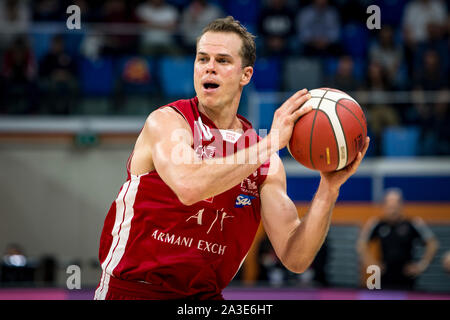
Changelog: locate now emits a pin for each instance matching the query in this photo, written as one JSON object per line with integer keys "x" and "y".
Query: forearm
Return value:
{"x": 430, "y": 251}
{"x": 365, "y": 254}
{"x": 203, "y": 177}
{"x": 307, "y": 238}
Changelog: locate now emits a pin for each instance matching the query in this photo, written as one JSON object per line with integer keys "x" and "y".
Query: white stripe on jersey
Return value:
{"x": 120, "y": 232}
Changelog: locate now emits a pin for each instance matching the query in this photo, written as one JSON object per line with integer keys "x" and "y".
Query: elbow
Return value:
{"x": 298, "y": 266}
{"x": 186, "y": 195}
{"x": 186, "y": 200}
{"x": 434, "y": 244}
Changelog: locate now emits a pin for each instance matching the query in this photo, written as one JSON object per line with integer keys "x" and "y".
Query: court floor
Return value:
{"x": 237, "y": 293}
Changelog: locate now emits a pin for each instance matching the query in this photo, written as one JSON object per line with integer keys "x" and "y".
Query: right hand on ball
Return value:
{"x": 286, "y": 116}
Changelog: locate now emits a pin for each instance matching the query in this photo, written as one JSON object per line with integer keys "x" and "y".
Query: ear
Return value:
{"x": 246, "y": 75}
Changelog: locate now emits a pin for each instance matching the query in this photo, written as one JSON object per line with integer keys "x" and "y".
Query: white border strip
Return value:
{"x": 110, "y": 124}
{"x": 421, "y": 166}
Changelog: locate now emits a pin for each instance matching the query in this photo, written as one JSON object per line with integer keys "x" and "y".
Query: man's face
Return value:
{"x": 393, "y": 206}
{"x": 218, "y": 72}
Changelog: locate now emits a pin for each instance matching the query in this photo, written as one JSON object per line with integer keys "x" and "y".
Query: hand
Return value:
{"x": 414, "y": 269}
{"x": 336, "y": 179}
{"x": 286, "y": 116}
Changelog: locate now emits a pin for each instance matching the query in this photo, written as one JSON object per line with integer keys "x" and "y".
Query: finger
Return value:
{"x": 298, "y": 94}
{"x": 366, "y": 146}
{"x": 291, "y": 101}
{"x": 299, "y": 102}
{"x": 355, "y": 164}
{"x": 300, "y": 112}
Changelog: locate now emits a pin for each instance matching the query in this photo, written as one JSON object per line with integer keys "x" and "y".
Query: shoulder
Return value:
{"x": 247, "y": 124}
{"x": 373, "y": 224}
{"x": 163, "y": 116}
{"x": 421, "y": 227}
{"x": 164, "y": 122}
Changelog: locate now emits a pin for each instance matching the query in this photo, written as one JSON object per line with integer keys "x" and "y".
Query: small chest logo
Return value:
{"x": 243, "y": 200}
{"x": 205, "y": 152}
{"x": 249, "y": 186}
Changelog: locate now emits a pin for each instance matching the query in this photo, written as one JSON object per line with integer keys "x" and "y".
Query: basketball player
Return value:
{"x": 180, "y": 229}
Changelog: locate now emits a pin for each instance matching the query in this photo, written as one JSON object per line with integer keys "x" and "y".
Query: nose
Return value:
{"x": 211, "y": 67}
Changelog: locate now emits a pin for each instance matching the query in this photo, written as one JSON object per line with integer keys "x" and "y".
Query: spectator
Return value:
{"x": 441, "y": 132}
{"x": 437, "y": 42}
{"x": 48, "y": 269}
{"x": 397, "y": 235}
{"x": 353, "y": 11}
{"x": 117, "y": 12}
{"x": 47, "y": 10}
{"x": 380, "y": 113}
{"x": 15, "y": 266}
{"x": 14, "y": 20}
{"x": 194, "y": 18}
{"x": 442, "y": 119}
{"x": 387, "y": 53}
{"x": 318, "y": 266}
{"x": 160, "y": 21}
{"x": 431, "y": 76}
{"x": 276, "y": 26}
{"x": 417, "y": 17}
{"x": 58, "y": 73}
{"x": 344, "y": 78}
{"x": 18, "y": 73}
{"x": 272, "y": 271}
{"x": 318, "y": 28}
{"x": 55, "y": 10}
{"x": 432, "y": 121}
{"x": 91, "y": 11}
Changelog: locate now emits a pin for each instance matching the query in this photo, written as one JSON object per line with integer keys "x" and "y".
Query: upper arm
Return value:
{"x": 278, "y": 212}
{"x": 368, "y": 232}
{"x": 422, "y": 230}
{"x": 169, "y": 140}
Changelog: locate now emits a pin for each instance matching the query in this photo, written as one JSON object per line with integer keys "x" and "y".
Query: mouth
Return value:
{"x": 210, "y": 86}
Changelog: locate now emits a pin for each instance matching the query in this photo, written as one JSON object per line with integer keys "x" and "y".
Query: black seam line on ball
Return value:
{"x": 312, "y": 129}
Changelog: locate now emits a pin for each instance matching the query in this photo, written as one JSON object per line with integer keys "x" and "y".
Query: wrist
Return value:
{"x": 329, "y": 188}
{"x": 270, "y": 144}
{"x": 423, "y": 265}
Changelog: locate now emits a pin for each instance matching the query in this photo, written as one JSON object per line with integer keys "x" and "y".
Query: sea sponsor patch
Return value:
{"x": 243, "y": 200}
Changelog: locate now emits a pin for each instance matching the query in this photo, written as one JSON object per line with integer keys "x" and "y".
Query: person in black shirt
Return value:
{"x": 276, "y": 26}
{"x": 397, "y": 235}
{"x": 58, "y": 74}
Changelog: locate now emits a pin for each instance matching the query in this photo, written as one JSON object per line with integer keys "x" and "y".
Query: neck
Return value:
{"x": 224, "y": 117}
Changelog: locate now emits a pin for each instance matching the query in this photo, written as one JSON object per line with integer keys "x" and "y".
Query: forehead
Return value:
{"x": 220, "y": 43}
{"x": 392, "y": 196}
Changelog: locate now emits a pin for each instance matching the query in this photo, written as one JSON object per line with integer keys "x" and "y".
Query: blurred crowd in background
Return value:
{"x": 124, "y": 48}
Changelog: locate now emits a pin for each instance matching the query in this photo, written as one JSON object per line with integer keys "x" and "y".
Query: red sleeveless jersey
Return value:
{"x": 181, "y": 251}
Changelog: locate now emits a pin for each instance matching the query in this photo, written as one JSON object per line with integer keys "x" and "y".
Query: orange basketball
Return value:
{"x": 330, "y": 136}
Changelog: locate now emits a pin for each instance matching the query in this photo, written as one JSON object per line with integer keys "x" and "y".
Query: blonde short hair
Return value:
{"x": 229, "y": 24}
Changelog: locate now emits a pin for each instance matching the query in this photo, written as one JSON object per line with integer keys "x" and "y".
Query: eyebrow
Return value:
{"x": 219, "y": 54}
